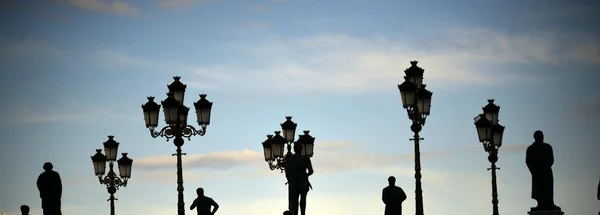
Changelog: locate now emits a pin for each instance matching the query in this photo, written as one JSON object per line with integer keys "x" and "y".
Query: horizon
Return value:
{"x": 75, "y": 72}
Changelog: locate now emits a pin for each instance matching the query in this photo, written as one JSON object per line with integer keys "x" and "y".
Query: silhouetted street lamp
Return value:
{"x": 490, "y": 135}
{"x": 274, "y": 145}
{"x": 176, "y": 115}
{"x": 417, "y": 102}
{"x": 111, "y": 180}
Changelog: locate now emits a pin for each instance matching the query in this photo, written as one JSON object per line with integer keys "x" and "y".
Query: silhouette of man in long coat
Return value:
{"x": 539, "y": 159}
{"x": 392, "y": 197}
{"x": 50, "y": 187}
{"x": 298, "y": 168}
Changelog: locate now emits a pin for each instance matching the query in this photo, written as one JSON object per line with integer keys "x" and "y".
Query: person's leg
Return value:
{"x": 293, "y": 200}
{"x": 303, "y": 203}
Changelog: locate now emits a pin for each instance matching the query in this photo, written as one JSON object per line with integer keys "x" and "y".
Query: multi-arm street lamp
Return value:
{"x": 176, "y": 115}
{"x": 490, "y": 135}
{"x": 111, "y": 180}
{"x": 417, "y": 102}
{"x": 274, "y": 146}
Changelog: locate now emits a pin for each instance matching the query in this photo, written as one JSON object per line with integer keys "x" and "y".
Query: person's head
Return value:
{"x": 24, "y": 209}
{"x": 297, "y": 148}
{"x": 392, "y": 180}
{"x": 200, "y": 191}
{"x": 48, "y": 166}
{"x": 538, "y": 136}
{"x": 288, "y": 213}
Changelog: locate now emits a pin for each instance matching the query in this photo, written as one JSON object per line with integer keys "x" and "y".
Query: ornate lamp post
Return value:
{"x": 274, "y": 145}
{"x": 490, "y": 135}
{"x": 111, "y": 180}
{"x": 176, "y": 115}
{"x": 417, "y": 102}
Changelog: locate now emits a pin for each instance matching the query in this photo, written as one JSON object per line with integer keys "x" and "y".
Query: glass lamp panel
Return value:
{"x": 289, "y": 129}
{"x": 111, "y": 148}
{"x": 278, "y": 150}
{"x": 308, "y": 149}
{"x": 179, "y": 96}
{"x": 498, "y": 133}
{"x": 203, "y": 110}
{"x": 99, "y": 162}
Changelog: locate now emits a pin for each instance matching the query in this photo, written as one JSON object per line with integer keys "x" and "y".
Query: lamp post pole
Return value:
{"x": 111, "y": 180}
{"x": 274, "y": 149}
{"x": 490, "y": 134}
{"x": 417, "y": 102}
{"x": 176, "y": 114}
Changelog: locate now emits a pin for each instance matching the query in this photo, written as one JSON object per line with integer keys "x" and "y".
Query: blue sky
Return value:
{"x": 76, "y": 71}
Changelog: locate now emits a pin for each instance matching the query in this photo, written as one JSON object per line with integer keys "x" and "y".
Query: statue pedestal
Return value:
{"x": 552, "y": 212}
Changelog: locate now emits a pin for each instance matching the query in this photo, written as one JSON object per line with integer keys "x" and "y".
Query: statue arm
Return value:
{"x": 402, "y": 195}
{"x": 194, "y": 204}
{"x": 528, "y": 159}
{"x": 598, "y": 191}
{"x": 551, "y": 157}
{"x": 310, "y": 167}
{"x": 40, "y": 185}
{"x": 215, "y": 206}
{"x": 384, "y": 197}
{"x": 59, "y": 188}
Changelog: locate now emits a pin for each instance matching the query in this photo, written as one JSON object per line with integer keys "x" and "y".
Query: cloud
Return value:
{"x": 588, "y": 111}
{"x": 178, "y": 3}
{"x": 256, "y": 24}
{"x": 330, "y": 157}
{"x": 257, "y": 8}
{"x": 105, "y": 6}
{"x": 348, "y": 64}
{"x": 70, "y": 112}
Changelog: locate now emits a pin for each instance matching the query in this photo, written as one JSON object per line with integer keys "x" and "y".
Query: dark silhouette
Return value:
{"x": 288, "y": 213}
{"x": 296, "y": 173}
{"x": 598, "y": 194}
{"x": 24, "y": 210}
{"x": 539, "y": 159}
{"x": 50, "y": 187}
{"x": 392, "y": 197}
{"x": 204, "y": 203}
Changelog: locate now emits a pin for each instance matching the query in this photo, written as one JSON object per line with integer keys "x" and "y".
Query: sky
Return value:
{"x": 75, "y": 71}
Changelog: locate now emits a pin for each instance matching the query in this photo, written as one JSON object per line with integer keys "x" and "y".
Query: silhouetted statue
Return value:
{"x": 392, "y": 197}
{"x": 204, "y": 203}
{"x": 598, "y": 194}
{"x": 24, "y": 210}
{"x": 539, "y": 159}
{"x": 288, "y": 213}
{"x": 298, "y": 168}
{"x": 50, "y": 187}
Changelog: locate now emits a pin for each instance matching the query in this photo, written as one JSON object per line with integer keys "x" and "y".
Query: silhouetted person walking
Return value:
{"x": 298, "y": 168}
{"x": 24, "y": 210}
{"x": 50, "y": 187}
{"x": 539, "y": 159}
{"x": 392, "y": 197}
{"x": 204, "y": 203}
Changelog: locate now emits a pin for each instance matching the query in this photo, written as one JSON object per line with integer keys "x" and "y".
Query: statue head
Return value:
{"x": 200, "y": 191}
{"x": 297, "y": 148}
{"x": 538, "y": 136}
{"x": 392, "y": 180}
{"x": 48, "y": 166}
{"x": 24, "y": 209}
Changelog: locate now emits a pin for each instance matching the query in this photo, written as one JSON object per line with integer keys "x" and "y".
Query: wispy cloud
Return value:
{"x": 257, "y": 8}
{"x": 256, "y": 24}
{"x": 345, "y": 157}
{"x": 348, "y": 64}
{"x": 105, "y": 6}
{"x": 178, "y": 3}
{"x": 70, "y": 112}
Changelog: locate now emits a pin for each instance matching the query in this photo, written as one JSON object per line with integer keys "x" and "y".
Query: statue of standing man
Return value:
{"x": 539, "y": 159}
{"x": 392, "y": 197}
{"x": 50, "y": 187}
{"x": 298, "y": 168}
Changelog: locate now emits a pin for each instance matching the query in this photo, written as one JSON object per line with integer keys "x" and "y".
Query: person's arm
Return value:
{"x": 402, "y": 195}
{"x": 551, "y": 157}
{"x": 194, "y": 204}
{"x": 528, "y": 158}
{"x": 215, "y": 206}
